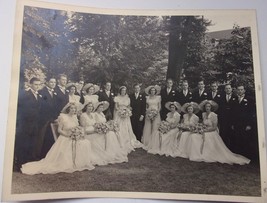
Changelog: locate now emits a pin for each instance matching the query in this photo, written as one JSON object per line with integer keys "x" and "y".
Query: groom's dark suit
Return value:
{"x": 166, "y": 97}
{"x": 138, "y": 104}
{"x": 62, "y": 98}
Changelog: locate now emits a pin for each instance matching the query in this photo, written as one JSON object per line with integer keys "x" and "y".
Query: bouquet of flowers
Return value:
{"x": 101, "y": 128}
{"x": 124, "y": 112}
{"x": 77, "y": 133}
{"x": 200, "y": 128}
{"x": 113, "y": 126}
{"x": 184, "y": 127}
{"x": 164, "y": 127}
{"x": 151, "y": 114}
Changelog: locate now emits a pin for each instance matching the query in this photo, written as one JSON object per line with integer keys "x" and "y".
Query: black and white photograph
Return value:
{"x": 136, "y": 104}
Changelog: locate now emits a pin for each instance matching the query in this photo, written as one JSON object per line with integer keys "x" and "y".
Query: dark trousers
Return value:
{"x": 137, "y": 127}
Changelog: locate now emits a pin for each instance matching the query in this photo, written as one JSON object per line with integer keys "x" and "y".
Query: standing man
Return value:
{"x": 244, "y": 141}
{"x": 28, "y": 113}
{"x": 226, "y": 115}
{"x": 108, "y": 95}
{"x": 47, "y": 115}
{"x": 184, "y": 96}
{"x": 214, "y": 95}
{"x": 138, "y": 104}
{"x": 200, "y": 94}
{"x": 167, "y": 94}
{"x": 62, "y": 94}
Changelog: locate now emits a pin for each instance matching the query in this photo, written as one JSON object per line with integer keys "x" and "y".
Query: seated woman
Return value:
{"x": 189, "y": 121}
{"x": 207, "y": 145}
{"x": 163, "y": 141}
{"x": 122, "y": 115}
{"x": 87, "y": 121}
{"x": 68, "y": 154}
{"x": 112, "y": 143}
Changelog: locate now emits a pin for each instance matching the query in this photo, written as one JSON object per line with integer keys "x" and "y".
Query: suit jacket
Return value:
{"x": 110, "y": 99}
{"x": 199, "y": 98}
{"x": 47, "y": 106}
{"x": 61, "y": 100}
{"x": 182, "y": 99}
{"x": 242, "y": 113}
{"x": 217, "y": 98}
{"x": 167, "y": 97}
{"x": 138, "y": 105}
{"x": 226, "y": 109}
{"x": 28, "y": 113}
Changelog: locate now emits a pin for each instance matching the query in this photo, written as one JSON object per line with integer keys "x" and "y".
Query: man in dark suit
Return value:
{"x": 214, "y": 94}
{"x": 28, "y": 113}
{"x": 184, "y": 96}
{"x": 226, "y": 115}
{"x": 47, "y": 115}
{"x": 108, "y": 95}
{"x": 200, "y": 94}
{"x": 244, "y": 140}
{"x": 62, "y": 96}
{"x": 138, "y": 104}
{"x": 167, "y": 94}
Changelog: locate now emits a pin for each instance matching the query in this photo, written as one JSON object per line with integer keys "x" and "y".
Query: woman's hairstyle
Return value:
{"x": 68, "y": 108}
{"x": 34, "y": 79}
{"x": 86, "y": 106}
{"x": 71, "y": 87}
{"x": 149, "y": 91}
{"x": 121, "y": 88}
{"x": 99, "y": 106}
{"x": 87, "y": 90}
{"x": 174, "y": 106}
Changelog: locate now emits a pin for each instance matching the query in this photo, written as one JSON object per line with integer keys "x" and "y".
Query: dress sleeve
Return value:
{"x": 116, "y": 99}
{"x": 196, "y": 120}
{"x": 83, "y": 120}
{"x": 214, "y": 119}
{"x": 61, "y": 118}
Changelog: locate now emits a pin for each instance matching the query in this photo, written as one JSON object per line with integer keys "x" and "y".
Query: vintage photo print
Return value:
{"x": 135, "y": 104}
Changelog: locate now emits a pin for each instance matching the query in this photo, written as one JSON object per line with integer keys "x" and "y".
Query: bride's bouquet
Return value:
{"x": 151, "y": 114}
{"x": 113, "y": 126}
{"x": 124, "y": 112}
{"x": 101, "y": 128}
{"x": 164, "y": 127}
{"x": 77, "y": 133}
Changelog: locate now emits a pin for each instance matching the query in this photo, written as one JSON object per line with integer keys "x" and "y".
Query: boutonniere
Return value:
{"x": 40, "y": 95}
{"x": 233, "y": 98}
{"x": 55, "y": 93}
{"x": 205, "y": 93}
{"x": 67, "y": 90}
{"x": 245, "y": 100}
{"x": 218, "y": 95}
{"x": 112, "y": 94}
{"x": 190, "y": 92}
{"x": 246, "y": 104}
{"x": 173, "y": 91}
{"x": 140, "y": 95}
{"x": 141, "y": 99}
{"x": 100, "y": 90}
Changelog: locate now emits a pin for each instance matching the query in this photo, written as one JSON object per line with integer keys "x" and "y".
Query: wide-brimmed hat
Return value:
{"x": 214, "y": 105}
{"x": 176, "y": 104}
{"x": 104, "y": 103}
{"x": 88, "y": 85}
{"x": 193, "y": 104}
{"x": 153, "y": 86}
{"x": 70, "y": 85}
{"x": 79, "y": 106}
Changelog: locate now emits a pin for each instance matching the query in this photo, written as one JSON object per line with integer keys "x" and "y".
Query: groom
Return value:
{"x": 138, "y": 104}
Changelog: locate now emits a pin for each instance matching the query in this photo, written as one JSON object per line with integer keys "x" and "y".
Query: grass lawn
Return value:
{"x": 150, "y": 173}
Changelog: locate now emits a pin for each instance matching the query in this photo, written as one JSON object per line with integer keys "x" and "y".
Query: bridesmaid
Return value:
{"x": 162, "y": 141}
{"x": 207, "y": 145}
{"x": 67, "y": 154}
{"x": 71, "y": 87}
{"x": 112, "y": 143}
{"x": 91, "y": 91}
{"x": 152, "y": 120}
{"x": 189, "y": 122}
{"x": 87, "y": 121}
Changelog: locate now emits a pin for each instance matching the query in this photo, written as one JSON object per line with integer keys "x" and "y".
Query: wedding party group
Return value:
{"x": 97, "y": 126}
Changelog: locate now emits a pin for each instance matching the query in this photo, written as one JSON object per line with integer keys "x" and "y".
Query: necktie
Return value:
{"x": 213, "y": 95}
{"x": 228, "y": 97}
{"x": 136, "y": 95}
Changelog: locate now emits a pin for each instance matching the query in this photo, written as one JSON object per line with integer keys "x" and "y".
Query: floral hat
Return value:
{"x": 193, "y": 104}
{"x": 176, "y": 104}
{"x": 153, "y": 86}
{"x": 104, "y": 103}
{"x": 88, "y": 85}
{"x": 214, "y": 105}
{"x": 79, "y": 106}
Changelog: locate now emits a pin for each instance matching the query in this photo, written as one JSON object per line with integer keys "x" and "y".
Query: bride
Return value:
{"x": 67, "y": 154}
{"x": 122, "y": 115}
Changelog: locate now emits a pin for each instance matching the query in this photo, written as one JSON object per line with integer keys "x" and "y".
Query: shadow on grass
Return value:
{"x": 149, "y": 173}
